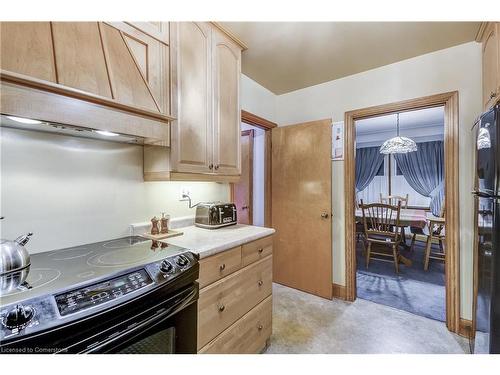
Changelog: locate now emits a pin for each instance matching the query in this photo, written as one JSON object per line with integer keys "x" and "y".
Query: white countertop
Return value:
{"x": 207, "y": 242}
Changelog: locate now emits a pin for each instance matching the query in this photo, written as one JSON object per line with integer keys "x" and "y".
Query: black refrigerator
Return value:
{"x": 487, "y": 194}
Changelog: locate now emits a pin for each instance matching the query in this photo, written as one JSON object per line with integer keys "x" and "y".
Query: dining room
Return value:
{"x": 399, "y": 214}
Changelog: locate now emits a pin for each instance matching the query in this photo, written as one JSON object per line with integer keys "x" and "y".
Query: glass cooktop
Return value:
{"x": 57, "y": 270}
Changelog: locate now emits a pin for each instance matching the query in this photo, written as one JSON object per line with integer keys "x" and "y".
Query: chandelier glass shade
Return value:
{"x": 398, "y": 144}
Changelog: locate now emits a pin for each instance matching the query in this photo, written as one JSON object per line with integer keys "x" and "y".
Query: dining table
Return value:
{"x": 408, "y": 217}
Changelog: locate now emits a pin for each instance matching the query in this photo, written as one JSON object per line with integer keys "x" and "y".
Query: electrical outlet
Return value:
{"x": 184, "y": 191}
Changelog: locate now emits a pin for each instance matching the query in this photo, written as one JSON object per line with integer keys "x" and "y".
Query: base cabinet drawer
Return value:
{"x": 219, "y": 266}
{"x": 256, "y": 250}
{"x": 248, "y": 335}
{"x": 224, "y": 302}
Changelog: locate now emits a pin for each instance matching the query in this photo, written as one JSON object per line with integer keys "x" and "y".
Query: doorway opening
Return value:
{"x": 406, "y": 270}
{"x": 252, "y": 193}
{"x": 451, "y": 240}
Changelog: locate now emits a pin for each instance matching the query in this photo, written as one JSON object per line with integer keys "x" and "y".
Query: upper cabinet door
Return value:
{"x": 191, "y": 135}
{"x": 491, "y": 66}
{"x": 227, "y": 114}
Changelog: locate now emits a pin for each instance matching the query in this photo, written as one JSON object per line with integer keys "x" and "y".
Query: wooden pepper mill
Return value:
{"x": 164, "y": 223}
{"x": 154, "y": 228}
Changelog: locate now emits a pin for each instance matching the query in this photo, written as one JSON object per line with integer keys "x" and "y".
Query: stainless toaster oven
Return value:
{"x": 215, "y": 215}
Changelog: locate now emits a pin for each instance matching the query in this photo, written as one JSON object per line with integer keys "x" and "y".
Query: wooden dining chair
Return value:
{"x": 381, "y": 223}
{"x": 393, "y": 200}
{"x": 436, "y": 227}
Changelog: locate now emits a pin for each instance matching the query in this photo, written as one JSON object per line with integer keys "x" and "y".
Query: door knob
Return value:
{"x": 244, "y": 208}
{"x": 324, "y": 215}
{"x": 493, "y": 94}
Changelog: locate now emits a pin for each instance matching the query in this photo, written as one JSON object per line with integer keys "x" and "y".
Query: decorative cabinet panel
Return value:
{"x": 151, "y": 56}
{"x": 205, "y": 138}
{"x": 491, "y": 64}
{"x": 113, "y": 65}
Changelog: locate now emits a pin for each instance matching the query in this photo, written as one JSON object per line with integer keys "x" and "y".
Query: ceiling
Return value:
{"x": 420, "y": 125}
{"x": 422, "y": 118}
{"x": 287, "y": 56}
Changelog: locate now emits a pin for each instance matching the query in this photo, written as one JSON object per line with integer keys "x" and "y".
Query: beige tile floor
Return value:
{"x": 303, "y": 323}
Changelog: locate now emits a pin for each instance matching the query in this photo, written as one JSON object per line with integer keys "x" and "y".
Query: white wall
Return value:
{"x": 71, "y": 191}
{"x": 257, "y": 99}
{"x": 456, "y": 68}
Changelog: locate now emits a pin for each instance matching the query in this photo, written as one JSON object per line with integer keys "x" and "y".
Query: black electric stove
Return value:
{"x": 127, "y": 295}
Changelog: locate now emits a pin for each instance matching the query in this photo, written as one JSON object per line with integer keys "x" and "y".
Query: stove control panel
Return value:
{"x": 50, "y": 310}
{"x": 94, "y": 295}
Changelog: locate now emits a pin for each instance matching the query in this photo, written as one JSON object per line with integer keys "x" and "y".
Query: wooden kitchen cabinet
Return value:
{"x": 112, "y": 65}
{"x": 489, "y": 37}
{"x": 205, "y": 137}
{"x": 235, "y": 303}
{"x": 226, "y": 105}
{"x": 191, "y": 137}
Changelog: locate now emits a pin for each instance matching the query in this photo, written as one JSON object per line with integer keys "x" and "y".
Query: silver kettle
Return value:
{"x": 14, "y": 260}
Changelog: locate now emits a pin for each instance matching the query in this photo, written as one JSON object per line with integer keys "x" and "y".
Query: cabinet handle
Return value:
{"x": 221, "y": 307}
{"x": 216, "y": 166}
{"x": 261, "y": 250}
{"x": 493, "y": 94}
{"x": 259, "y": 327}
{"x": 222, "y": 267}
{"x": 210, "y": 166}
{"x": 260, "y": 282}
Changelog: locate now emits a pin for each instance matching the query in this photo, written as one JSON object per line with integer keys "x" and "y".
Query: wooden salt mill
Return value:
{"x": 154, "y": 228}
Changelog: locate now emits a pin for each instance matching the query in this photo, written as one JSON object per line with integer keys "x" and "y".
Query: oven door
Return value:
{"x": 168, "y": 328}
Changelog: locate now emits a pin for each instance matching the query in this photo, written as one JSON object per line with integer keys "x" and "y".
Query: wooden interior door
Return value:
{"x": 302, "y": 203}
{"x": 243, "y": 190}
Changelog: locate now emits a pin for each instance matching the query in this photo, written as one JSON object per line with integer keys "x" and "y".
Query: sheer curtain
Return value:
{"x": 368, "y": 162}
{"x": 424, "y": 171}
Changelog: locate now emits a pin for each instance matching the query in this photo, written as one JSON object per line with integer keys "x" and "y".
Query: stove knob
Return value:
{"x": 166, "y": 266}
{"x": 18, "y": 317}
{"x": 182, "y": 261}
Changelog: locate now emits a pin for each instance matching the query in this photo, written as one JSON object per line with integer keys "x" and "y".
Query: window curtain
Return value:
{"x": 424, "y": 171}
{"x": 368, "y": 162}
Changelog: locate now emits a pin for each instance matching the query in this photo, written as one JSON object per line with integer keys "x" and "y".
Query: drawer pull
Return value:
{"x": 259, "y": 327}
{"x": 221, "y": 307}
{"x": 222, "y": 267}
{"x": 260, "y": 282}
{"x": 261, "y": 250}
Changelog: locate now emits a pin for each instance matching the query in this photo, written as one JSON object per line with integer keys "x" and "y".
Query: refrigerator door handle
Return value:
{"x": 484, "y": 195}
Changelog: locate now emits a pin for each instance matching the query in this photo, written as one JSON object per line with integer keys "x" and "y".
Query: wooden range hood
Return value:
{"x": 104, "y": 76}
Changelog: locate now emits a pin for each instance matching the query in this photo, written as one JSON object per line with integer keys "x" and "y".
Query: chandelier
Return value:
{"x": 398, "y": 145}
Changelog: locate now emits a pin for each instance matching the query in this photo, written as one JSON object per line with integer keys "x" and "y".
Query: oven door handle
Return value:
{"x": 131, "y": 330}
